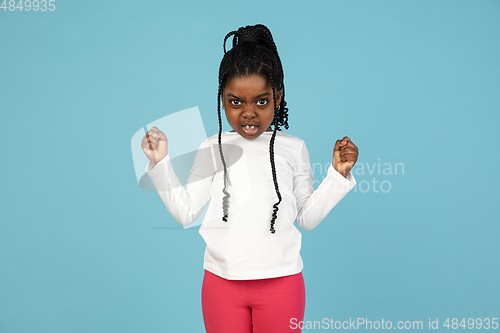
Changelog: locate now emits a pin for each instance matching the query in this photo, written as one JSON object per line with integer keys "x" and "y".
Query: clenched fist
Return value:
{"x": 345, "y": 155}
{"x": 155, "y": 145}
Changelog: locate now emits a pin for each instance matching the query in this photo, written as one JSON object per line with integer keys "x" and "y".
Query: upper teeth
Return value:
{"x": 250, "y": 126}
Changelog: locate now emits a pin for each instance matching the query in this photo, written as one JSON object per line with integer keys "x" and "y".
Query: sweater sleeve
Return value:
{"x": 314, "y": 205}
{"x": 187, "y": 203}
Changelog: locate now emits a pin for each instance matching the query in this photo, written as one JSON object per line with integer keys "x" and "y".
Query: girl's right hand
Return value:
{"x": 155, "y": 145}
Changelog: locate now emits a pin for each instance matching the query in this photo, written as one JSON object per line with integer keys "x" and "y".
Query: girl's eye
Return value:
{"x": 234, "y": 100}
{"x": 262, "y": 100}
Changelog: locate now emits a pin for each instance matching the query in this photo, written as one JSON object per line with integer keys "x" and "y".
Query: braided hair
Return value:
{"x": 253, "y": 52}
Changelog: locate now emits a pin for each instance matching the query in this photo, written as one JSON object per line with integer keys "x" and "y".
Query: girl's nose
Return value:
{"x": 248, "y": 113}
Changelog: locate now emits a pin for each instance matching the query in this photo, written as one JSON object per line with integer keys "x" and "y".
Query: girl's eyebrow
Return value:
{"x": 261, "y": 95}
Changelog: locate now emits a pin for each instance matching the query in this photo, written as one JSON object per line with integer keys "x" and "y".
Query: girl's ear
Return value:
{"x": 278, "y": 97}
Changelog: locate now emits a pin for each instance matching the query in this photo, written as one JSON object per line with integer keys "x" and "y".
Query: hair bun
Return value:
{"x": 248, "y": 38}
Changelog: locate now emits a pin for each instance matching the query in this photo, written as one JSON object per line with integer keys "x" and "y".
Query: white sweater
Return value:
{"x": 243, "y": 248}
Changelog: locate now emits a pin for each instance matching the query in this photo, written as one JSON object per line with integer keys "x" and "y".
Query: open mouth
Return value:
{"x": 250, "y": 129}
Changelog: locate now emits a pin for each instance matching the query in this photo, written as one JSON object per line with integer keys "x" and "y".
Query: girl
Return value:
{"x": 259, "y": 182}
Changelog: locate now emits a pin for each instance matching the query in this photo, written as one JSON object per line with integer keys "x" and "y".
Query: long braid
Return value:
{"x": 225, "y": 199}
{"x": 273, "y": 168}
{"x": 271, "y": 155}
{"x": 261, "y": 58}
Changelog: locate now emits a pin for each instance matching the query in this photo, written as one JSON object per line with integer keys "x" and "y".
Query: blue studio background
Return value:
{"x": 414, "y": 84}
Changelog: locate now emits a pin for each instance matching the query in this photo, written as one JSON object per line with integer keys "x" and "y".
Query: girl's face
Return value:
{"x": 248, "y": 101}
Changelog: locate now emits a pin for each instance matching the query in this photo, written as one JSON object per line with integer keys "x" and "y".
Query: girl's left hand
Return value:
{"x": 345, "y": 155}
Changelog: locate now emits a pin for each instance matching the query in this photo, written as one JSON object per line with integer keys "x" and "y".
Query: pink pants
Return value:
{"x": 259, "y": 306}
